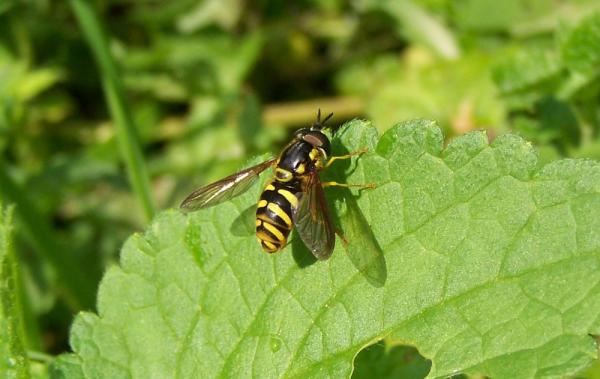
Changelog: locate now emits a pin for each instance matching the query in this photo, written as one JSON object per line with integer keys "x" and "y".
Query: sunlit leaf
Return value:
{"x": 492, "y": 268}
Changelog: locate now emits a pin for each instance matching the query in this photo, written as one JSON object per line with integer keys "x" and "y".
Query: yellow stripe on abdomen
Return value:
{"x": 272, "y": 239}
{"x": 269, "y": 247}
{"x": 280, "y": 213}
{"x": 275, "y": 232}
{"x": 290, "y": 197}
{"x": 274, "y": 214}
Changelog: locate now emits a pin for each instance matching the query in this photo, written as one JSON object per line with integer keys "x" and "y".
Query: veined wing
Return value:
{"x": 225, "y": 189}
{"x": 312, "y": 219}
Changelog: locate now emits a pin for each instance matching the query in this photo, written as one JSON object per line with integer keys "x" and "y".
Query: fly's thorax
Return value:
{"x": 300, "y": 158}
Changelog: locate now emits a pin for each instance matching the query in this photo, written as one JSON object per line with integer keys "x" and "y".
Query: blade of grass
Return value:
{"x": 113, "y": 91}
{"x": 75, "y": 289}
{"x": 15, "y": 362}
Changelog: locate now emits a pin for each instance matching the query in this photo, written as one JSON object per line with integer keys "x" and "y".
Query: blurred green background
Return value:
{"x": 113, "y": 109}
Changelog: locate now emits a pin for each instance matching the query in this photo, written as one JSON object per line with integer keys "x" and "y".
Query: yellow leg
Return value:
{"x": 350, "y": 155}
{"x": 336, "y": 184}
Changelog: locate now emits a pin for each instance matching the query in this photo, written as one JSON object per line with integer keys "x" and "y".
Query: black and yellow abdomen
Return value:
{"x": 274, "y": 214}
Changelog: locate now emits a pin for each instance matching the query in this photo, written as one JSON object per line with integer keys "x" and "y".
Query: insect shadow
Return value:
{"x": 243, "y": 225}
{"x": 300, "y": 252}
{"x": 358, "y": 239}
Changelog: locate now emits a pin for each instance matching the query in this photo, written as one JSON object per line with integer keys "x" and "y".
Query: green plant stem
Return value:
{"x": 75, "y": 289}
{"x": 113, "y": 91}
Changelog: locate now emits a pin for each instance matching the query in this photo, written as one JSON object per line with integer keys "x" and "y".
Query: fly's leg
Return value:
{"x": 347, "y": 156}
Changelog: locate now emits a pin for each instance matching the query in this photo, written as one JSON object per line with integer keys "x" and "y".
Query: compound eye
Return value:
{"x": 313, "y": 140}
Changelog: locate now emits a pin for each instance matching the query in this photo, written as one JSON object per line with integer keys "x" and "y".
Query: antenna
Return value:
{"x": 318, "y": 125}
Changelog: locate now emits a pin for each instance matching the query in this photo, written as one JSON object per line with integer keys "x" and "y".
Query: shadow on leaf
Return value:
{"x": 381, "y": 360}
{"x": 363, "y": 249}
{"x": 302, "y": 255}
{"x": 360, "y": 243}
{"x": 243, "y": 225}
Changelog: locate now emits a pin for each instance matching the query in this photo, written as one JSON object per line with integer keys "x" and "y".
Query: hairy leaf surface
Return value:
{"x": 491, "y": 266}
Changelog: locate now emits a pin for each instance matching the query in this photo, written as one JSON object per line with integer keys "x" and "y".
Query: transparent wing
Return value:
{"x": 224, "y": 189}
{"x": 312, "y": 220}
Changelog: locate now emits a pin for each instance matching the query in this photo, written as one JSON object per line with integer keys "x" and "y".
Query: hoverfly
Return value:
{"x": 294, "y": 197}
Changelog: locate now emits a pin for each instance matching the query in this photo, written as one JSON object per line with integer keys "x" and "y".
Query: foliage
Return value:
{"x": 489, "y": 260}
{"x": 111, "y": 109}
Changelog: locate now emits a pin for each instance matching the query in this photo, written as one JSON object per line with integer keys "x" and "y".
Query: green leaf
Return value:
{"x": 581, "y": 47}
{"x": 492, "y": 268}
{"x": 526, "y": 68}
{"x": 13, "y": 360}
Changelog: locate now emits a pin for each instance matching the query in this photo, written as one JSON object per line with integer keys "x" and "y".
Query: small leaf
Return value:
{"x": 492, "y": 268}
